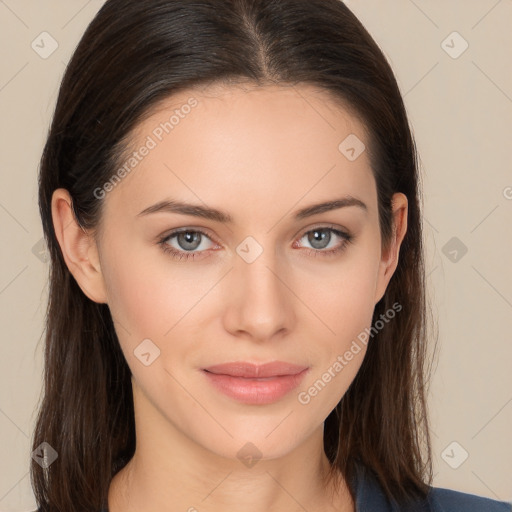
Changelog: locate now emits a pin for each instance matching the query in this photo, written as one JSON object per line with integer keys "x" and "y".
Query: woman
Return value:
{"x": 229, "y": 193}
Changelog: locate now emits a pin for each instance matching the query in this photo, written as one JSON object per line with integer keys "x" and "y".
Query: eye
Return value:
{"x": 189, "y": 243}
{"x": 187, "y": 240}
{"x": 324, "y": 243}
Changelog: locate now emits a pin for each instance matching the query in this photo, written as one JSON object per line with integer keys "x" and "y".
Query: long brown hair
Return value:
{"x": 132, "y": 56}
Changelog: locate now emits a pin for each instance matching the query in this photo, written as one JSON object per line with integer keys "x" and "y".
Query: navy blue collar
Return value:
{"x": 371, "y": 497}
{"x": 368, "y": 492}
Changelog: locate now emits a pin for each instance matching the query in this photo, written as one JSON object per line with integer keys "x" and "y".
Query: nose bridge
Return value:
{"x": 262, "y": 303}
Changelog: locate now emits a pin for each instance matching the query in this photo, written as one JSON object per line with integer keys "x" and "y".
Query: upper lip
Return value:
{"x": 252, "y": 370}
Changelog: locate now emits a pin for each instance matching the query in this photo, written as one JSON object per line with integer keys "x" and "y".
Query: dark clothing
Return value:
{"x": 371, "y": 498}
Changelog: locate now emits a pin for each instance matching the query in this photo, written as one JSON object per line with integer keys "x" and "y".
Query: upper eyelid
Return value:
{"x": 177, "y": 231}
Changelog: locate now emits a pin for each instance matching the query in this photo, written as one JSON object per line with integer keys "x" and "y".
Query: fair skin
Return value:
{"x": 259, "y": 155}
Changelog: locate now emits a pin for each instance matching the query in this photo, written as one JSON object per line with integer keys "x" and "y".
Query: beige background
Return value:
{"x": 461, "y": 112}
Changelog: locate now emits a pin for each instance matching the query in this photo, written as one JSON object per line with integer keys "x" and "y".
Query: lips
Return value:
{"x": 250, "y": 370}
{"x": 255, "y": 384}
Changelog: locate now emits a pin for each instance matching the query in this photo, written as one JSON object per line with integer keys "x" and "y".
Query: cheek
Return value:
{"x": 343, "y": 298}
{"x": 347, "y": 309}
{"x": 149, "y": 299}
{"x": 343, "y": 295}
{"x": 148, "y": 295}
{"x": 133, "y": 299}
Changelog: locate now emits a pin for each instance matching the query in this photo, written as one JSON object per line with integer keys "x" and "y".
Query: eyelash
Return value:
{"x": 184, "y": 255}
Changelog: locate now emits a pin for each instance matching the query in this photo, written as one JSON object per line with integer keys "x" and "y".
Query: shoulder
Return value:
{"x": 448, "y": 500}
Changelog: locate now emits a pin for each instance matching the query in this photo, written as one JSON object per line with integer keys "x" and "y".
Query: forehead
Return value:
{"x": 256, "y": 107}
{"x": 271, "y": 143}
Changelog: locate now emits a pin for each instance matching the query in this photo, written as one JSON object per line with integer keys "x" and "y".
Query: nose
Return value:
{"x": 260, "y": 304}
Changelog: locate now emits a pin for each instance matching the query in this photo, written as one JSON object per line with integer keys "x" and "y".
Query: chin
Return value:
{"x": 266, "y": 439}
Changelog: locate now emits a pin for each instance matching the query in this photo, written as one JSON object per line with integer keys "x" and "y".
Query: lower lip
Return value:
{"x": 255, "y": 391}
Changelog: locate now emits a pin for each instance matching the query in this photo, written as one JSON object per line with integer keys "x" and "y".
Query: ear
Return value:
{"x": 389, "y": 260}
{"x": 78, "y": 248}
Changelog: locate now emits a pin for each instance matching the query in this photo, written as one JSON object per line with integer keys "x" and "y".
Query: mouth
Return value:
{"x": 255, "y": 384}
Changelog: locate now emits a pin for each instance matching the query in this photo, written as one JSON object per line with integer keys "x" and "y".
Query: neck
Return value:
{"x": 170, "y": 472}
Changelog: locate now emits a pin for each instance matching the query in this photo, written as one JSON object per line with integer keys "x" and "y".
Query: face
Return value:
{"x": 251, "y": 279}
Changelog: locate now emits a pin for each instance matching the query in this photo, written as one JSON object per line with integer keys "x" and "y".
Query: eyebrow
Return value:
{"x": 195, "y": 210}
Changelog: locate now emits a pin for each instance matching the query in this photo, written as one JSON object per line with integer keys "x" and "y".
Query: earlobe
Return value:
{"x": 389, "y": 261}
{"x": 78, "y": 248}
